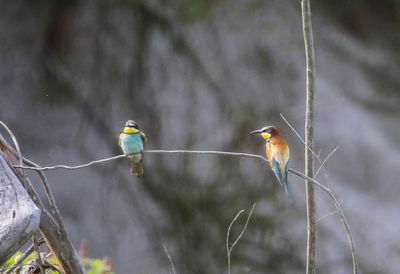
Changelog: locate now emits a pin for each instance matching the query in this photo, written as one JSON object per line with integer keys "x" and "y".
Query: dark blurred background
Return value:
{"x": 201, "y": 75}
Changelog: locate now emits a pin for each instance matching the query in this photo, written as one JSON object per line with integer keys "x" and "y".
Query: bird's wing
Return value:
{"x": 119, "y": 139}
{"x": 275, "y": 168}
{"x": 143, "y": 136}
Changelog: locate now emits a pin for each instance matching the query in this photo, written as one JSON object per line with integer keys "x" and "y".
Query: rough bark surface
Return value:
{"x": 19, "y": 216}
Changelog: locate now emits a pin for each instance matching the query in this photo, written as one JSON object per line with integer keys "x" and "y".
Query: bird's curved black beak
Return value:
{"x": 256, "y": 131}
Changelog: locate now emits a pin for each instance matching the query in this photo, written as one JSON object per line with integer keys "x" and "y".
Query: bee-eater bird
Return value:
{"x": 131, "y": 140}
{"x": 278, "y": 155}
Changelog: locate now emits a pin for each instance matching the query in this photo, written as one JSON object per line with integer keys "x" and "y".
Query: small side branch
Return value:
{"x": 169, "y": 258}
{"x": 229, "y": 249}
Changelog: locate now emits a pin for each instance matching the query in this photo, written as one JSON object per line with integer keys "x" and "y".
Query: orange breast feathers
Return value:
{"x": 278, "y": 150}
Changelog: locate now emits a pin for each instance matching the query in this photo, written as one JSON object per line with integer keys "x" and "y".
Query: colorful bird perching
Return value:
{"x": 278, "y": 155}
{"x": 132, "y": 141}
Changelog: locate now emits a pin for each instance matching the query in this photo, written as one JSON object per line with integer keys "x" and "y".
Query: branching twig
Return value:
{"x": 317, "y": 156}
{"x": 298, "y": 135}
{"x": 169, "y": 258}
{"x": 338, "y": 210}
{"x": 229, "y": 249}
{"x": 327, "y": 157}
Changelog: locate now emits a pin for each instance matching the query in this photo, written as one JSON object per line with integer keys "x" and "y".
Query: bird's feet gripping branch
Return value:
{"x": 277, "y": 153}
{"x": 132, "y": 141}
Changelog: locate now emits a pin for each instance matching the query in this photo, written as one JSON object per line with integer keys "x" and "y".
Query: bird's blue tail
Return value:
{"x": 282, "y": 179}
{"x": 288, "y": 191}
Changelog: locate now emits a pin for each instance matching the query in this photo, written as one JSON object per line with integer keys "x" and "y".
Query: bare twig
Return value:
{"x": 317, "y": 156}
{"x": 229, "y": 249}
{"x": 34, "y": 167}
{"x": 169, "y": 258}
{"x": 327, "y": 157}
{"x": 326, "y": 215}
{"x": 298, "y": 135}
{"x": 17, "y": 147}
{"x": 13, "y": 139}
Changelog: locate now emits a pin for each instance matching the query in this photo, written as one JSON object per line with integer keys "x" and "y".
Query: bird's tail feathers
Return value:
{"x": 136, "y": 164}
{"x": 136, "y": 168}
{"x": 288, "y": 191}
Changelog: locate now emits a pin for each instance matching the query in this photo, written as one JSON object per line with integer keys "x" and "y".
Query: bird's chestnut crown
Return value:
{"x": 131, "y": 123}
{"x": 131, "y": 127}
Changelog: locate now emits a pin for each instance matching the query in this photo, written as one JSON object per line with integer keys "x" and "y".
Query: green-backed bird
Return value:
{"x": 132, "y": 140}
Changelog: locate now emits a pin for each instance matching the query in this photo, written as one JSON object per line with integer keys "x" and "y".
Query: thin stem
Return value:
{"x": 298, "y": 135}
{"x": 244, "y": 228}
{"x": 326, "y": 159}
{"x": 169, "y": 258}
{"x": 33, "y": 167}
{"x": 229, "y": 249}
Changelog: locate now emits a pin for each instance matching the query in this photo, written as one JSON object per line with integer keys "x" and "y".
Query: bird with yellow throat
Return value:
{"x": 277, "y": 152}
{"x": 132, "y": 141}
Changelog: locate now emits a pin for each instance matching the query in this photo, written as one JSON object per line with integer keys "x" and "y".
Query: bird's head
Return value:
{"x": 266, "y": 132}
{"x": 131, "y": 127}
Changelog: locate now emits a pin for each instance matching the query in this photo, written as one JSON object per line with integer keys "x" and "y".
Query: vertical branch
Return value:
{"x": 309, "y": 133}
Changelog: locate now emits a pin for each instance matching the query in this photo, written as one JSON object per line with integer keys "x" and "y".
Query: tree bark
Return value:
{"x": 309, "y": 133}
{"x": 19, "y": 216}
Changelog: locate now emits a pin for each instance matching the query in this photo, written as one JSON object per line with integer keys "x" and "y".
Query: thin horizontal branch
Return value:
{"x": 71, "y": 167}
{"x": 212, "y": 152}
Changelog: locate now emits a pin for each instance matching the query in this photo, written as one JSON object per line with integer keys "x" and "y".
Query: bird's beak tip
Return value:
{"x": 255, "y": 131}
